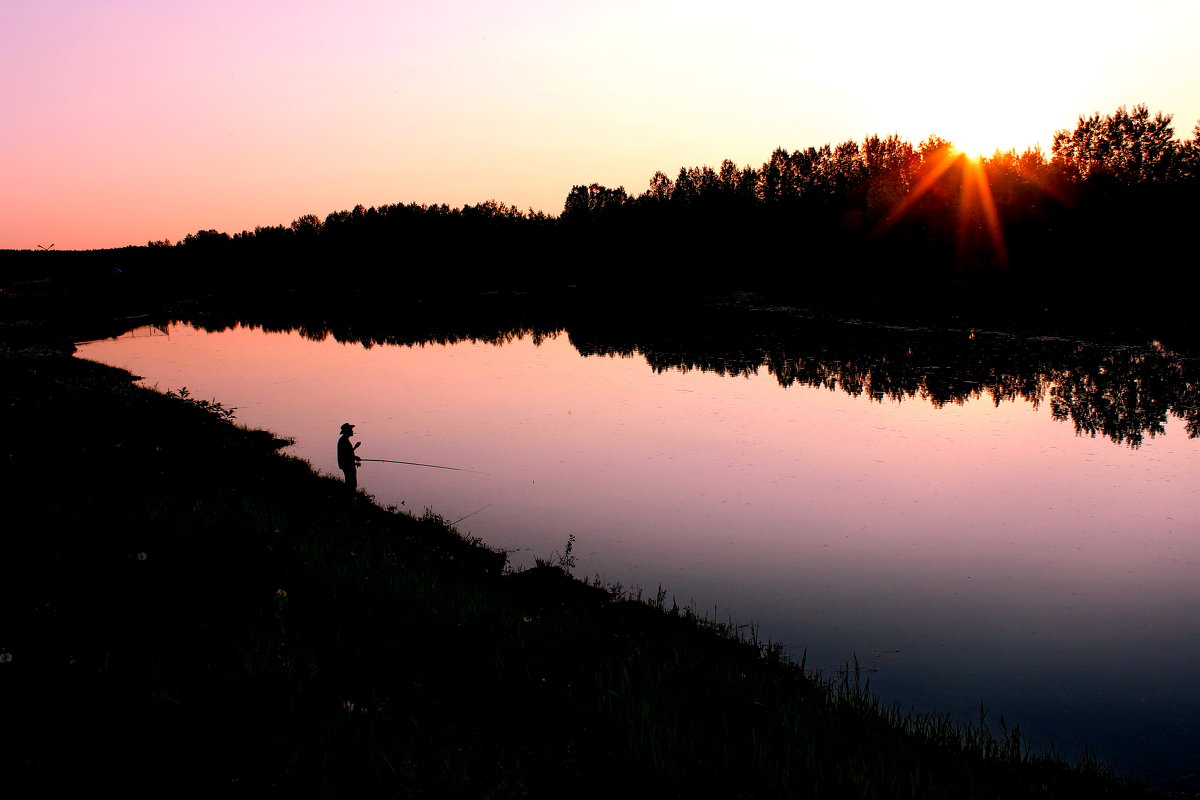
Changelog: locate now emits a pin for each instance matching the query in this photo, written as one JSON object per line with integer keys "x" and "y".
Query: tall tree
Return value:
{"x": 1126, "y": 146}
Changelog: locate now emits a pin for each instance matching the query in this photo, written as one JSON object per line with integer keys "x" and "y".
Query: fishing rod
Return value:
{"x": 473, "y": 513}
{"x": 415, "y": 464}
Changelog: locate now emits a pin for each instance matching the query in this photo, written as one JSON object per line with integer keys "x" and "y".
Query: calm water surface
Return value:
{"x": 965, "y": 552}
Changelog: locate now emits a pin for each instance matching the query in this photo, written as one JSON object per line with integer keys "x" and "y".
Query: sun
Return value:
{"x": 981, "y": 135}
{"x": 967, "y": 81}
{"x": 976, "y": 135}
{"x": 978, "y": 120}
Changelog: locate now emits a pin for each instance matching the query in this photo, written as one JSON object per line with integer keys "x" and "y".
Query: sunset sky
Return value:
{"x": 122, "y": 121}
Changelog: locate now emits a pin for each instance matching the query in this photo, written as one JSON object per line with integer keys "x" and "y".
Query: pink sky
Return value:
{"x": 128, "y": 121}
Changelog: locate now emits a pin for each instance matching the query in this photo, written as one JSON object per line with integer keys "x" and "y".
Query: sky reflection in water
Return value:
{"x": 973, "y": 552}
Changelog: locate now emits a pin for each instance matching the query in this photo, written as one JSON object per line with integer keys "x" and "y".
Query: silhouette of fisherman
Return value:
{"x": 348, "y": 460}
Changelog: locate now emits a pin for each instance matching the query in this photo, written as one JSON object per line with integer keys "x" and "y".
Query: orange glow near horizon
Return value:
{"x": 977, "y": 195}
{"x": 975, "y": 199}
{"x": 932, "y": 174}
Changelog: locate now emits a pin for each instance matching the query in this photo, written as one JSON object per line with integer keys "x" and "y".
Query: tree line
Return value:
{"x": 1104, "y": 216}
{"x": 1118, "y": 188}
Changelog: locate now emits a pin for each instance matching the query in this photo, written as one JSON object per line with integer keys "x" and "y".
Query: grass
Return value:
{"x": 188, "y": 612}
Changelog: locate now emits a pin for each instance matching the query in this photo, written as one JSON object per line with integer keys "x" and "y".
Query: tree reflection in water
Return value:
{"x": 1122, "y": 392}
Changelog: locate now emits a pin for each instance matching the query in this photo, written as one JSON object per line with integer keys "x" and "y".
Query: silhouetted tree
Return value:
{"x": 590, "y": 202}
{"x": 206, "y": 240}
{"x": 661, "y": 187}
{"x": 1125, "y": 146}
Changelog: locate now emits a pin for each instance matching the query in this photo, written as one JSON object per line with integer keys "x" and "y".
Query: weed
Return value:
{"x": 564, "y": 560}
{"x": 211, "y": 406}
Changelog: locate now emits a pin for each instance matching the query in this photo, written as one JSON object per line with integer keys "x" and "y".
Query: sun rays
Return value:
{"x": 975, "y": 207}
{"x": 976, "y": 196}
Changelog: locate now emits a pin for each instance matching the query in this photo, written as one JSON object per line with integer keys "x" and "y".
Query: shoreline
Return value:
{"x": 220, "y": 603}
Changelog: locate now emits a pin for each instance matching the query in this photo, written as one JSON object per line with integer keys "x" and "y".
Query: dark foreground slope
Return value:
{"x": 187, "y": 612}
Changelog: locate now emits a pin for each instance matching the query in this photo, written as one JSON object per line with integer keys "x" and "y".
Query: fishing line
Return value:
{"x": 415, "y": 464}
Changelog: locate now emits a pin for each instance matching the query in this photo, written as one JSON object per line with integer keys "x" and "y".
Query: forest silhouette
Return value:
{"x": 1105, "y": 217}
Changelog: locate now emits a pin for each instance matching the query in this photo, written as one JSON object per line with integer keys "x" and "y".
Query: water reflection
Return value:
{"x": 1124, "y": 393}
{"x": 886, "y": 504}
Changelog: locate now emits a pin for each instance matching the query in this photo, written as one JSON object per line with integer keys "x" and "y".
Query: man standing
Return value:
{"x": 348, "y": 460}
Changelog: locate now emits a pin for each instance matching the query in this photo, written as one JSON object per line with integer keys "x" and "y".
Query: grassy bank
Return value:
{"x": 189, "y": 612}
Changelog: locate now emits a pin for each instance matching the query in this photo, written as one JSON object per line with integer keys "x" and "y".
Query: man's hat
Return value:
{"x": 347, "y": 427}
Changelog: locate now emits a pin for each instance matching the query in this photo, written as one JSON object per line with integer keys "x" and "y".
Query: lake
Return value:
{"x": 976, "y": 518}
